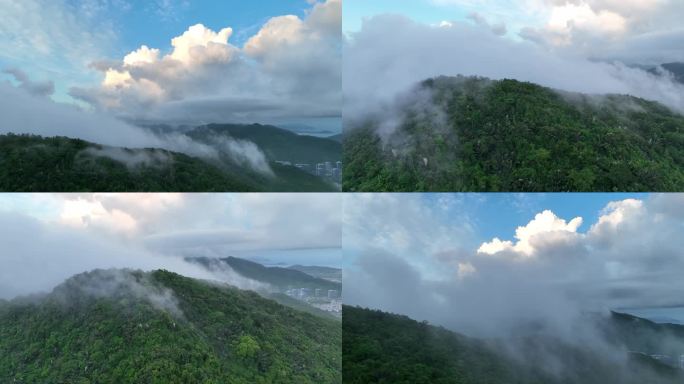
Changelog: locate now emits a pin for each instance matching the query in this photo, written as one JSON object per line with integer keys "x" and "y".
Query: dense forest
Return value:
{"x": 120, "y": 326}
{"x": 474, "y": 134}
{"x": 380, "y": 347}
{"x": 35, "y": 164}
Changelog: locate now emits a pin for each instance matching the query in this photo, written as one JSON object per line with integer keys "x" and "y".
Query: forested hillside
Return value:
{"x": 475, "y": 134}
{"x": 33, "y": 164}
{"x": 380, "y": 347}
{"x": 120, "y": 326}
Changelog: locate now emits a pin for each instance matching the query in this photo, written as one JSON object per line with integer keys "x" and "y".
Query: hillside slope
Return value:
{"x": 35, "y": 164}
{"x": 475, "y": 134}
{"x": 133, "y": 327}
{"x": 645, "y": 336}
{"x": 327, "y": 273}
{"x": 676, "y": 70}
{"x": 278, "y": 144}
{"x": 282, "y": 278}
{"x": 380, "y": 347}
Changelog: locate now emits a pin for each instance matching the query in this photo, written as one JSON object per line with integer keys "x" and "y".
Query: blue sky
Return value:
{"x": 435, "y": 257}
{"x": 427, "y": 223}
{"x": 117, "y": 57}
{"x": 420, "y": 10}
{"x": 313, "y": 238}
{"x": 66, "y": 234}
{"x": 500, "y": 214}
{"x": 110, "y": 29}
{"x": 435, "y": 11}
{"x": 148, "y": 23}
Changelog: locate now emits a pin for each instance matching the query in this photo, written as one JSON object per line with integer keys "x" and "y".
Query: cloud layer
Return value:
{"x": 551, "y": 273}
{"x": 25, "y": 109}
{"x": 48, "y": 238}
{"x": 290, "y": 68}
{"x": 390, "y": 54}
{"x": 635, "y": 31}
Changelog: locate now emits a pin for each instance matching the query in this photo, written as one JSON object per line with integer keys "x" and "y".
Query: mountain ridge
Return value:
{"x": 277, "y": 143}
{"x": 281, "y": 277}
{"x": 132, "y": 326}
{"x": 33, "y": 163}
{"x": 476, "y": 134}
{"x": 385, "y": 347}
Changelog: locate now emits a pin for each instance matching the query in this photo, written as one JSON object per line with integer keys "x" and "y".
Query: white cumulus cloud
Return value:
{"x": 290, "y": 68}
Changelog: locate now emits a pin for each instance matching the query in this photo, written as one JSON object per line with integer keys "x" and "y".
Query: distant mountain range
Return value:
{"x": 279, "y": 277}
{"x": 278, "y": 144}
{"x": 327, "y": 273}
{"x": 285, "y": 285}
{"x": 400, "y": 350}
{"x": 32, "y": 164}
{"x": 121, "y": 326}
{"x": 305, "y": 129}
{"x": 475, "y": 134}
{"x": 676, "y": 69}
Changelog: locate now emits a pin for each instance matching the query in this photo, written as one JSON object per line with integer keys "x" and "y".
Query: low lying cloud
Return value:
{"x": 243, "y": 152}
{"x": 49, "y": 238}
{"x": 549, "y": 289}
{"x": 552, "y": 274}
{"x": 116, "y": 283}
{"x": 25, "y": 112}
{"x": 132, "y": 159}
{"x": 391, "y": 54}
{"x": 56, "y": 253}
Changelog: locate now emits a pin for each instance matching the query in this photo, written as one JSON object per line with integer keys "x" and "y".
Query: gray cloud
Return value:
{"x": 130, "y": 158}
{"x": 290, "y": 68}
{"x": 390, "y": 54}
{"x": 24, "y": 112}
{"x": 154, "y": 231}
{"x": 637, "y": 32}
{"x": 115, "y": 282}
{"x": 497, "y": 29}
{"x": 43, "y": 88}
{"x": 53, "y": 254}
{"x": 550, "y": 275}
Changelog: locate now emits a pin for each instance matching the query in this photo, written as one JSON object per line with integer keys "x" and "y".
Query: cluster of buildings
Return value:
{"x": 325, "y": 300}
{"x": 334, "y": 306}
{"x": 327, "y": 170}
{"x": 672, "y": 361}
{"x": 304, "y": 293}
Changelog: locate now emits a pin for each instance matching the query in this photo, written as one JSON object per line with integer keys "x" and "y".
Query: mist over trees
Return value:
{"x": 36, "y": 164}
{"x": 476, "y": 134}
{"x": 380, "y": 347}
{"x": 128, "y": 326}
